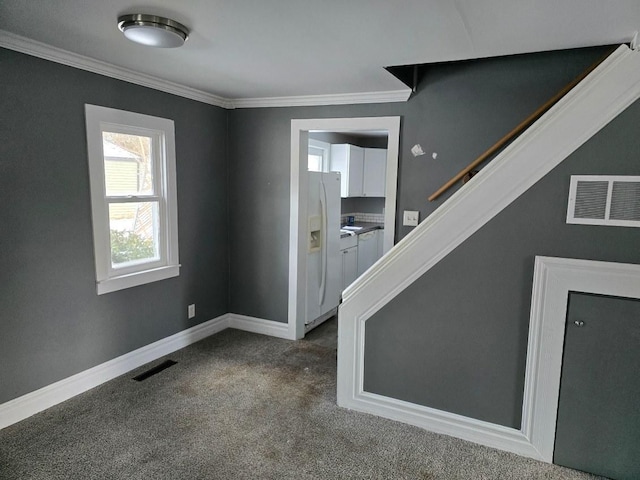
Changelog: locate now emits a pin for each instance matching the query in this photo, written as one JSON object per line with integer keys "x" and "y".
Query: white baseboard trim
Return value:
{"x": 27, "y": 405}
{"x": 259, "y": 325}
{"x": 446, "y": 423}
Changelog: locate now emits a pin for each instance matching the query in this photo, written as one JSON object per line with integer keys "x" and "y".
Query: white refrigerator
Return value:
{"x": 324, "y": 267}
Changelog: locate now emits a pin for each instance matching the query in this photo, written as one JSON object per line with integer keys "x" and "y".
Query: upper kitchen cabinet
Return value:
{"x": 363, "y": 170}
{"x": 374, "y": 172}
{"x": 349, "y": 161}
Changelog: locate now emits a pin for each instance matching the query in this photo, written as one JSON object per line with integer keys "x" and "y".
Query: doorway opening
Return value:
{"x": 300, "y": 130}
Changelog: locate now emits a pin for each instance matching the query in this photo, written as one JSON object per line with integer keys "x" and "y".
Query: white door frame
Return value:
{"x": 299, "y": 185}
{"x": 553, "y": 279}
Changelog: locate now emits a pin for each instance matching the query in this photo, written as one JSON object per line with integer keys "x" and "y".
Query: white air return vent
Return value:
{"x": 604, "y": 200}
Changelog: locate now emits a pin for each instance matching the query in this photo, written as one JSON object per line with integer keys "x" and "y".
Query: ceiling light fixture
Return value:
{"x": 152, "y": 30}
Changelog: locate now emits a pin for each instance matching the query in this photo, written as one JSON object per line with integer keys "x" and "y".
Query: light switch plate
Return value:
{"x": 410, "y": 218}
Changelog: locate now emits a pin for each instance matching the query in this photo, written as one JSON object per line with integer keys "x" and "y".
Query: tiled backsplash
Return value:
{"x": 363, "y": 217}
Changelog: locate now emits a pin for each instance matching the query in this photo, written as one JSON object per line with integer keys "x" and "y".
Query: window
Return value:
{"x": 318, "y": 156}
{"x": 132, "y": 169}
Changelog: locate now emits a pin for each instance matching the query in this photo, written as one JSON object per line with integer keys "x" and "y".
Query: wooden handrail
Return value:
{"x": 522, "y": 126}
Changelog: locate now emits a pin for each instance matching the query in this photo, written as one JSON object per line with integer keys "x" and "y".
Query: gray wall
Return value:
{"x": 53, "y": 324}
{"x": 233, "y": 200}
{"x": 456, "y": 339}
{"x": 459, "y": 111}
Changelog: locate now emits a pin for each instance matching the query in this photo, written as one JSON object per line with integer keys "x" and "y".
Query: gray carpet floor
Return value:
{"x": 241, "y": 406}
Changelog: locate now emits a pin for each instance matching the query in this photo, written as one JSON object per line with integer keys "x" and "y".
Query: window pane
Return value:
{"x": 128, "y": 164}
{"x": 315, "y": 163}
{"x": 134, "y": 233}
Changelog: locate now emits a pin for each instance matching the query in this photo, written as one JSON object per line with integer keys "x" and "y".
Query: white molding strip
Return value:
{"x": 438, "y": 421}
{"x": 259, "y": 325}
{"x": 41, "y": 50}
{"x": 315, "y": 100}
{"x": 604, "y": 94}
{"x": 552, "y": 281}
{"x": 27, "y": 405}
{"x": 64, "y": 57}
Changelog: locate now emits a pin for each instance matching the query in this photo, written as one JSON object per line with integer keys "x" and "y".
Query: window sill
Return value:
{"x": 114, "y": 284}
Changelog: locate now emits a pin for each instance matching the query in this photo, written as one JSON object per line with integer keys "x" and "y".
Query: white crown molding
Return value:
{"x": 604, "y": 94}
{"x": 64, "y": 57}
{"x": 41, "y": 50}
{"x": 27, "y": 405}
{"x": 318, "y": 100}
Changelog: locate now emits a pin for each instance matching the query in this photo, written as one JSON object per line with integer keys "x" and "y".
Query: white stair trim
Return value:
{"x": 27, "y": 405}
{"x": 438, "y": 421}
{"x": 25, "y": 45}
{"x": 603, "y": 95}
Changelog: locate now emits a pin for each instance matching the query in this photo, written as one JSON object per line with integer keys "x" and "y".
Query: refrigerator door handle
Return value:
{"x": 323, "y": 281}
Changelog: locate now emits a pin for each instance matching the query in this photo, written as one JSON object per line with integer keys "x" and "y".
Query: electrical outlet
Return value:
{"x": 410, "y": 218}
{"x": 191, "y": 311}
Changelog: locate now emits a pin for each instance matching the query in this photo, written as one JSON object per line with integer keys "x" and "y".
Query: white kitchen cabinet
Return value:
{"x": 367, "y": 250}
{"x": 374, "y": 172}
{"x": 380, "y": 234}
{"x": 370, "y": 248}
{"x": 349, "y": 253}
{"x": 349, "y": 161}
{"x": 349, "y": 266}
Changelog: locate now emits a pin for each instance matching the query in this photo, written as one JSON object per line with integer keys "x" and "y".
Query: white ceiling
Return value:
{"x": 282, "y": 48}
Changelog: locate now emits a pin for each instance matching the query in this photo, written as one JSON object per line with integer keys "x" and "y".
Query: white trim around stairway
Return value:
{"x": 592, "y": 104}
{"x": 31, "y": 403}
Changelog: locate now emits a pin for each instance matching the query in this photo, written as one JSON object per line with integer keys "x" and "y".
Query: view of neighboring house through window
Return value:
{"x": 132, "y": 170}
{"x": 128, "y": 170}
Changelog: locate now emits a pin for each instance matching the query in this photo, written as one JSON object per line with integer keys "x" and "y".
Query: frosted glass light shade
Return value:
{"x": 153, "y": 31}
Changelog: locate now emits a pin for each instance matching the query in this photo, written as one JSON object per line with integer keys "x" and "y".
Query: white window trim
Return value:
{"x": 108, "y": 280}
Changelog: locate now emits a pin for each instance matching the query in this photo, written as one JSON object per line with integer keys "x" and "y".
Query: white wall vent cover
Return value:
{"x": 604, "y": 200}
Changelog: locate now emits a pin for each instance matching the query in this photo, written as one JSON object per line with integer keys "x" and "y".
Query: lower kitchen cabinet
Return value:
{"x": 367, "y": 250}
{"x": 359, "y": 252}
{"x": 349, "y": 266}
{"x": 380, "y": 234}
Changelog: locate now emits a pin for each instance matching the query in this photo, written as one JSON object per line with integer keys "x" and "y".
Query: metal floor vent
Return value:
{"x": 604, "y": 200}
{"x": 152, "y": 371}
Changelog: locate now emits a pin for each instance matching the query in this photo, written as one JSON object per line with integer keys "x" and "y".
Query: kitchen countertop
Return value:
{"x": 366, "y": 227}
